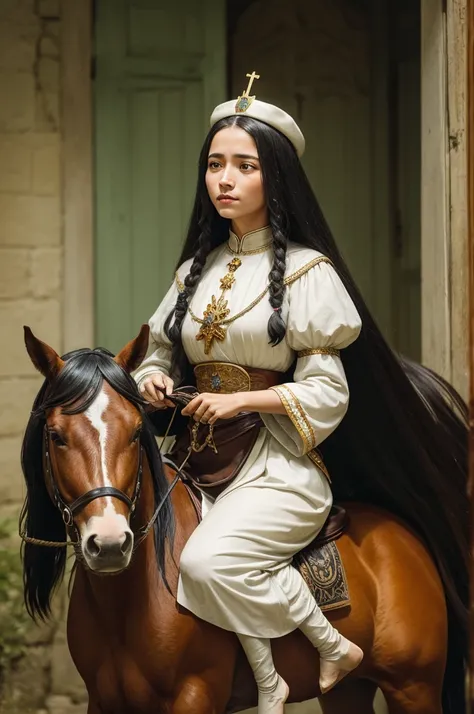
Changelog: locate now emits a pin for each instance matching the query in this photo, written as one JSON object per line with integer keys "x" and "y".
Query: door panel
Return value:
{"x": 337, "y": 163}
{"x": 159, "y": 73}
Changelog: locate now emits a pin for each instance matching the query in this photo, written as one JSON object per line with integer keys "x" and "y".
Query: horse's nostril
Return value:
{"x": 108, "y": 550}
{"x": 92, "y": 546}
{"x": 127, "y": 543}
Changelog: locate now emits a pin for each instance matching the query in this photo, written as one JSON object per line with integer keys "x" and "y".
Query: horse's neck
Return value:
{"x": 117, "y": 596}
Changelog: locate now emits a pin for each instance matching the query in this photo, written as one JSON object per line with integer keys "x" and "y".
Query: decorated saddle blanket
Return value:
{"x": 322, "y": 568}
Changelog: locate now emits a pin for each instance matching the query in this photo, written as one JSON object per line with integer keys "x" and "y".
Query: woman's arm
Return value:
{"x": 208, "y": 407}
{"x": 321, "y": 321}
{"x": 265, "y": 401}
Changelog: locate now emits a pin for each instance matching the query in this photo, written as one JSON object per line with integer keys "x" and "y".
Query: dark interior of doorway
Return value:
{"x": 404, "y": 99}
{"x": 401, "y": 27}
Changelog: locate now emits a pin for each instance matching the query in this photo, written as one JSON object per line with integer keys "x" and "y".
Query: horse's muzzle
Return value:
{"x": 108, "y": 555}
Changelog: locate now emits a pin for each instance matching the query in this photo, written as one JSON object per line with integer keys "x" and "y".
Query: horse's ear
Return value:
{"x": 44, "y": 358}
{"x": 134, "y": 352}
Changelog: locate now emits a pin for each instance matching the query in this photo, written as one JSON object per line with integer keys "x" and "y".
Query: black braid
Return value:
{"x": 173, "y": 327}
{"x": 276, "y": 325}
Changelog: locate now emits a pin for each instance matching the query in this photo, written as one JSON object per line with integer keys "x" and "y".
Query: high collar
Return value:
{"x": 254, "y": 241}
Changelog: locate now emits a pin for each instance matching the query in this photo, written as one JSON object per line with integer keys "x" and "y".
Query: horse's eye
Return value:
{"x": 136, "y": 436}
{"x": 57, "y": 439}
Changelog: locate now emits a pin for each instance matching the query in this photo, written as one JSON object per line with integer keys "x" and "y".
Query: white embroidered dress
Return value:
{"x": 236, "y": 568}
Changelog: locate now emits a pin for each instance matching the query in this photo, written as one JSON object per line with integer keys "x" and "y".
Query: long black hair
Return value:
{"x": 401, "y": 446}
{"x": 74, "y": 389}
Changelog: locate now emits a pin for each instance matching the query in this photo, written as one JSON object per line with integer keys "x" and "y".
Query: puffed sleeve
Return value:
{"x": 322, "y": 320}
{"x": 159, "y": 350}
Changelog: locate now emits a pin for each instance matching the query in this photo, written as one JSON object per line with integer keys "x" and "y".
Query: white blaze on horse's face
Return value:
{"x": 107, "y": 539}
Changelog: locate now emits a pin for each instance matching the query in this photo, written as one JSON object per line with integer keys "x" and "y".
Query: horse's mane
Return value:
{"x": 74, "y": 389}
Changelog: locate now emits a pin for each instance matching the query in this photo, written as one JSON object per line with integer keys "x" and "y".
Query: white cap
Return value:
{"x": 268, "y": 113}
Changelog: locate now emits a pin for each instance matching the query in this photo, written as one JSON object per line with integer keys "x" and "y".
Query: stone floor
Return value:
{"x": 59, "y": 704}
{"x": 67, "y": 691}
{"x": 314, "y": 708}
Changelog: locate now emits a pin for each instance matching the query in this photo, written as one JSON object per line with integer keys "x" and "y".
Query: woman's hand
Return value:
{"x": 207, "y": 408}
{"x": 151, "y": 387}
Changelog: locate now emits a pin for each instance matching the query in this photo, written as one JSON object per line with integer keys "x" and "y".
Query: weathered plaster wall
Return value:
{"x": 30, "y": 213}
{"x": 30, "y": 291}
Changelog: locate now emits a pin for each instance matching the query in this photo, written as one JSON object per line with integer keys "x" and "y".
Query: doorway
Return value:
{"x": 347, "y": 70}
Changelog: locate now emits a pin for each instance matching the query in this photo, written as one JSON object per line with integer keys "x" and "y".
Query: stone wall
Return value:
{"x": 30, "y": 213}
{"x": 30, "y": 276}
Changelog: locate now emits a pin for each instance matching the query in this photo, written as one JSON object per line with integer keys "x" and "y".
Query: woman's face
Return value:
{"x": 234, "y": 180}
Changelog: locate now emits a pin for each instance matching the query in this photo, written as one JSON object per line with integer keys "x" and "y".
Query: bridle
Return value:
{"x": 69, "y": 511}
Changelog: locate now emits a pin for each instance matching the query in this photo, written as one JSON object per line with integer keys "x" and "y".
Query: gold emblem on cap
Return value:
{"x": 245, "y": 100}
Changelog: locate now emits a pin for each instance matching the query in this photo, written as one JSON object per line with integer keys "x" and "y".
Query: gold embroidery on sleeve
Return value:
{"x": 297, "y": 415}
{"x": 304, "y": 269}
{"x": 315, "y": 457}
{"x": 319, "y": 351}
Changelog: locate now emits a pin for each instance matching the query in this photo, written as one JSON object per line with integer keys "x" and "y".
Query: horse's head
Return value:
{"x": 82, "y": 455}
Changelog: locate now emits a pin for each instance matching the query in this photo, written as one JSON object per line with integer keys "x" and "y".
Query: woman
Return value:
{"x": 261, "y": 285}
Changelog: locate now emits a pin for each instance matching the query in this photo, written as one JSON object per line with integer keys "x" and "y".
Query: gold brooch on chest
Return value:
{"x": 211, "y": 324}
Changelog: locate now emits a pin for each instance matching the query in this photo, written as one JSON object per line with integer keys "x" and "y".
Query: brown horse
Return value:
{"x": 93, "y": 471}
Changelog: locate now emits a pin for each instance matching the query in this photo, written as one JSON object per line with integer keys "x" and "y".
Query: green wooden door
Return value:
{"x": 160, "y": 70}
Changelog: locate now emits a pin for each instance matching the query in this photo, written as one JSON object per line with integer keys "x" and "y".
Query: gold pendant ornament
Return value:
{"x": 210, "y": 329}
{"x": 211, "y": 324}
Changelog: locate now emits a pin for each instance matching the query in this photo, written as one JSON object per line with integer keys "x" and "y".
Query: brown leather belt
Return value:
{"x": 227, "y": 378}
{"x": 212, "y": 456}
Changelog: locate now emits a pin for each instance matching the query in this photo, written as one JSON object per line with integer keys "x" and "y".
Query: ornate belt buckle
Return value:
{"x": 222, "y": 376}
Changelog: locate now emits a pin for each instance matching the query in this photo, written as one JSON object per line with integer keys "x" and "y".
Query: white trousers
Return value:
{"x": 236, "y": 568}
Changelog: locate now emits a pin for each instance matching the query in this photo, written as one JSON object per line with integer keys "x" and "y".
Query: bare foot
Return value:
{"x": 274, "y": 702}
{"x": 332, "y": 671}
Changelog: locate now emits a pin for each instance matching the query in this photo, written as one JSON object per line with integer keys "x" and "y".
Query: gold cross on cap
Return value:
{"x": 252, "y": 76}
{"x": 245, "y": 100}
